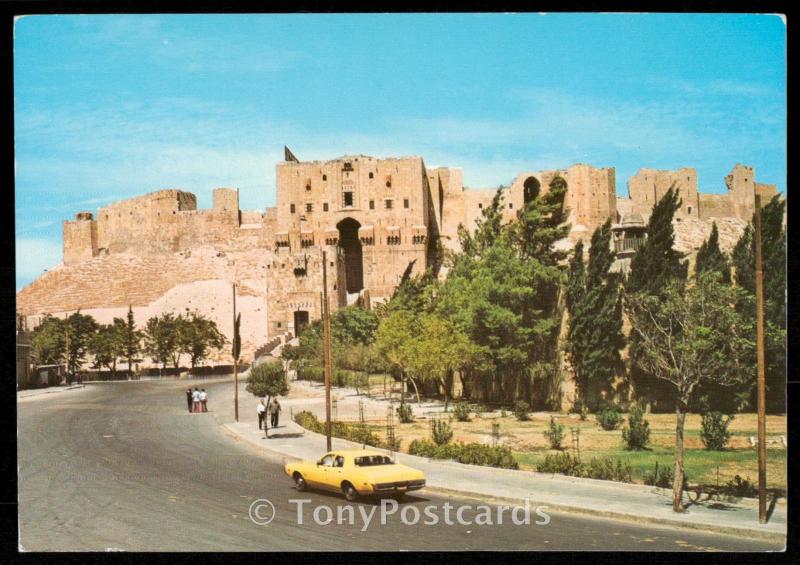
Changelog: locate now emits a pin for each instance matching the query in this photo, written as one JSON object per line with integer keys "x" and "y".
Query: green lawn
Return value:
{"x": 701, "y": 465}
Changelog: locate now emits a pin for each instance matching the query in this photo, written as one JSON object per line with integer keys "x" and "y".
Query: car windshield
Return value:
{"x": 371, "y": 460}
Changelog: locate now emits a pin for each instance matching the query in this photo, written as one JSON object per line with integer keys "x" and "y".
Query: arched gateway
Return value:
{"x": 351, "y": 245}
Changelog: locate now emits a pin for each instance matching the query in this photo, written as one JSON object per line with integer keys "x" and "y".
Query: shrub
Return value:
{"x": 714, "y": 432}
{"x": 521, "y": 409}
{"x": 441, "y": 432}
{"x": 308, "y": 421}
{"x": 603, "y": 468}
{"x": 421, "y": 447}
{"x": 405, "y": 413}
{"x": 561, "y": 463}
{"x": 352, "y": 432}
{"x": 311, "y": 373}
{"x": 503, "y": 414}
{"x": 461, "y": 412}
{"x": 359, "y": 381}
{"x": 608, "y": 469}
{"x": 391, "y": 445}
{"x": 554, "y": 434}
{"x": 637, "y": 434}
{"x": 469, "y": 454}
{"x": 340, "y": 379}
{"x": 662, "y": 476}
{"x": 580, "y": 408}
{"x": 741, "y": 487}
{"x": 609, "y": 419}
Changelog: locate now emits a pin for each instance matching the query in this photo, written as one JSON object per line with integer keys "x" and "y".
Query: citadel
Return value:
{"x": 373, "y": 219}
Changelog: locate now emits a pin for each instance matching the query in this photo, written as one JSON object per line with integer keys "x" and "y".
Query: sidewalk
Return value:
{"x": 37, "y": 392}
{"x": 638, "y": 503}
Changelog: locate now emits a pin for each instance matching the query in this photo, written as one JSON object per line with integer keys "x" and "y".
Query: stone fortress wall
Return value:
{"x": 375, "y": 220}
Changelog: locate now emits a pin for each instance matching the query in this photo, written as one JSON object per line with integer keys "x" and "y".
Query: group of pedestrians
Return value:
{"x": 197, "y": 400}
{"x": 273, "y": 409}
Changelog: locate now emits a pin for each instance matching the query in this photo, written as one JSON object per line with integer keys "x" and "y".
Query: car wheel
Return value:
{"x": 350, "y": 493}
{"x": 299, "y": 482}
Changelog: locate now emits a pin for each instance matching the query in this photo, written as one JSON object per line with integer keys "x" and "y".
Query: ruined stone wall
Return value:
{"x": 591, "y": 196}
{"x": 648, "y": 186}
{"x": 80, "y": 238}
{"x": 450, "y": 206}
{"x": 715, "y": 206}
{"x": 166, "y": 221}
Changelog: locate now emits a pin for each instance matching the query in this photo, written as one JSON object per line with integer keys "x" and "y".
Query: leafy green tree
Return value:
{"x": 436, "y": 350}
{"x": 542, "y": 222}
{"x": 132, "y": 339}
{"x": 773, "y": 248}
{"x": 197, "y": 336}
{"x": 655, "y": 265}
{"x": 268, "y": 380}
{"x": 502, "y": 293}
{"x": 487, "y": 229}
{"x": 393, "y": 341}
{"x": 48, "y": 341}
{"x": 80, "y": 328}
{"x": 711, "y": 258}
{"x": 354, "y": 325}
{"x": 161, "y": 338}
{"x": 107, "y": 345}
{"x": 687, "y": 336}
{"x": 594, "y": 338}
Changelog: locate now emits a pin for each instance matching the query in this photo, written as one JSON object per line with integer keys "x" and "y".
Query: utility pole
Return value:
{"x": 326, "y": 332}
{"x": 235, "y": 360}
{"x": 762, "y": 389}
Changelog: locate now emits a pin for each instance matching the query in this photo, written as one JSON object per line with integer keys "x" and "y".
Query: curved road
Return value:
{"x": 123, "y": 466}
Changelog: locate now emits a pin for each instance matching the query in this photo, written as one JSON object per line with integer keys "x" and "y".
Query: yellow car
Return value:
{"x": 356, "y": 472}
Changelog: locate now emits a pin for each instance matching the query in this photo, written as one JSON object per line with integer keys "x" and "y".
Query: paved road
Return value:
{"x": 124, "y": 466}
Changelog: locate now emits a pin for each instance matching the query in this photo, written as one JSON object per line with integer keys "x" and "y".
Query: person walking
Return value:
{"x": 195, "y": 401}
{"x": 261, "y": 409}
{"x": 189, "y": 400}
{"x": 274, "y": 412}
{"x": 203, "y": 400}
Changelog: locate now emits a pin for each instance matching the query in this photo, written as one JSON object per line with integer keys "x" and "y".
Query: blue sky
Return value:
{"x": 110, "y": 107}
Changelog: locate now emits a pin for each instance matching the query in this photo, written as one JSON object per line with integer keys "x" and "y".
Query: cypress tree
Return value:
{"x": 773, "y": 242}
{"x": 595, "y": 327}
{"x": 711, "y": 258}
{"x": 576, "y": 278}
{"x": 654, "y": 266}
{"x": 657, "y": 263}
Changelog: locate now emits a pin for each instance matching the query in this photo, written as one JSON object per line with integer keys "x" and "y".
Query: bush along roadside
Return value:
{"x": 602, "y": 468}
{"x": 352, "y": 432}
{"x": 467, "y": 453}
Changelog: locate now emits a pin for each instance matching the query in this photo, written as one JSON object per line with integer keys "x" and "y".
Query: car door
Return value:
{"x": 335, "y": 473}
{"x": 318, "y": 473}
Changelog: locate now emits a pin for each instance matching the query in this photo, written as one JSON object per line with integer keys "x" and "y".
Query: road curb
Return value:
{"x": 622, "y": 516}
{"x": 41, "y": 393}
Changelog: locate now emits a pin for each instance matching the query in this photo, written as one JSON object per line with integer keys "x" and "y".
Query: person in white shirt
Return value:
{"x": 203, "y": 400}
{"x": 261, "y": 409}
{"x": 195, "y": 400}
